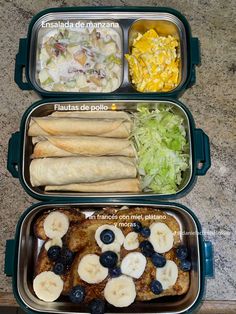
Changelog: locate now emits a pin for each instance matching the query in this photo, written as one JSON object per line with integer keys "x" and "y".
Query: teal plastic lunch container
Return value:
{"x": 20, "y": 259}
{"x": 20, "y": 147}
{"x": 129, "y": 21}
{"x": 22, "y": 251}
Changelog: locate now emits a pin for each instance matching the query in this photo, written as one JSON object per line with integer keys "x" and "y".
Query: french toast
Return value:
{"x": 81, "y": 239}
{"x": 74, "y": 215}
{"x": 43, "y": 262}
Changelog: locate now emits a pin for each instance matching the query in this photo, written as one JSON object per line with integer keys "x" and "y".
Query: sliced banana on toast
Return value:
{"x": 131, "y": 241}
{"x": 119, "y": 237}
{"x": 48, "y": 286}
{"x": 133, "y": 271}
{"x": 53, "y": 242}
{"x": 161, "y": 237}
{"x": 133, "y": 264}
{"x": 120, "y": 292}
{"x": 90, "y": 270}
{"x": 114, "y": 247}
{"x": 74, "y": 216}
{"x": 167, "y": 275}
{"x": 56, "y": 225}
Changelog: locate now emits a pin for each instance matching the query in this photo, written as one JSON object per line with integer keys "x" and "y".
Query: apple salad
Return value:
{"x": 80, "y": 60}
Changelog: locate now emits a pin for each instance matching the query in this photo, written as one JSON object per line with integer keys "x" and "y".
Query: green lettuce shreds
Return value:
{"x": 160, "y": 139}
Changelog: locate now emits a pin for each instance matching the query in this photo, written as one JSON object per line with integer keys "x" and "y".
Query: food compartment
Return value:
{"x": 73, "y": 54}
{"x": 157, "y": 54}
{"x": 73, "y": 51}
{"x": 29, "y": 248}
{"x": 121, "y": 174}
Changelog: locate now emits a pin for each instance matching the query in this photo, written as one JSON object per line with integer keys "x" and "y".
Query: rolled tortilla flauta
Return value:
{"x": 59, "y": 146}
{"x": 68, "y": 170}
{"x": 47, "y": 149}
{"x": 123, "y": 185}
{"x": 37, "y": 139}
{"x": 76, "y": 127}
{"x": 92, "y": 114}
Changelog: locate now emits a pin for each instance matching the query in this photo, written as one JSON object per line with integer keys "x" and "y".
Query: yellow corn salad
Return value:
{"x": 154, "y": 62}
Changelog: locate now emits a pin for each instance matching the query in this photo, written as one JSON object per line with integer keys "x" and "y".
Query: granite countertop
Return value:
{"x": 211, "y": 101}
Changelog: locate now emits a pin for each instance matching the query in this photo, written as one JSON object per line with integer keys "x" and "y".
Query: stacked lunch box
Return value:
{"x": 20, "y": 251}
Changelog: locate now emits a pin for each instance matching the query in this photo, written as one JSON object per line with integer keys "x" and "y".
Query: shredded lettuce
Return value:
{"x": 163, "y": 152}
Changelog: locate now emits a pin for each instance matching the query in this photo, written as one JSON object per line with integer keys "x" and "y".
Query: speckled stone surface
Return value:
{"x": 211, "y": 101}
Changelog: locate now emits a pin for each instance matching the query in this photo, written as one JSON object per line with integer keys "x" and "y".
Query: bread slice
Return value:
{"x": 43, "y": 263}
{"x": 80, "y": 239}
{"x": 74, "y": 215}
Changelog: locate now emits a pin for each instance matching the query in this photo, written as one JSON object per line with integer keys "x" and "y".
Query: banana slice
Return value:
{"x": 48, "y": 286}
{"x": 167, "y": 275}
{"x": 120, "y": 291}
{"x": 133, "y": 264}
{"x": 114, "y": 247}
{"x": 90, "y": 270}
{"x": 119, "y": 237}
{"x": 131, "y": 241}
{"x": 52, "y": 242}
{"x": 56, "y": 225}
{"x": 161, "y": 237}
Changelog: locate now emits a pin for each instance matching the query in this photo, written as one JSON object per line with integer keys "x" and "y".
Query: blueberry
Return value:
{"x": 107, "y": 236}
{"x": 54, "y": 253}
{"x": 158, "y": 260}
{"x": 146, "y": 248}
{"x": 108, "y": 259}
{"x": 115, "y": 272}
{"x": 59, "y": 268}
{"x": 97, "y": 306}
{"x": 181, "y": 252}
{"x": 185, "y": 265}
{"x": 77, "y": 294}
{"x": 156, "y": 287}
{"x": 67, "y": 256}
{"x": 66, "y": 266}
{"x": 145, "y": 232}
{"x": 137, "y": 226}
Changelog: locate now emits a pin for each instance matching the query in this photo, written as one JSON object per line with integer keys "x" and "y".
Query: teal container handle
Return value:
{"x": 21, "y": 59}
{"x": 195, "y": 59}
{"x": 9, "y": 257}
{"x": 209, "y": 259}
{"x": 195, "y": 51}
{"x": 13, "y": 155}
{"x": 202, "y": 153}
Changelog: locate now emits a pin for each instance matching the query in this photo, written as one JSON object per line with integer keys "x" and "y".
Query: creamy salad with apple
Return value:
{"x": 80, "y": 60}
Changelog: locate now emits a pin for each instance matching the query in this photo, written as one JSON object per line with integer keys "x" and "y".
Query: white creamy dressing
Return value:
{"x": 70, "y": 75}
